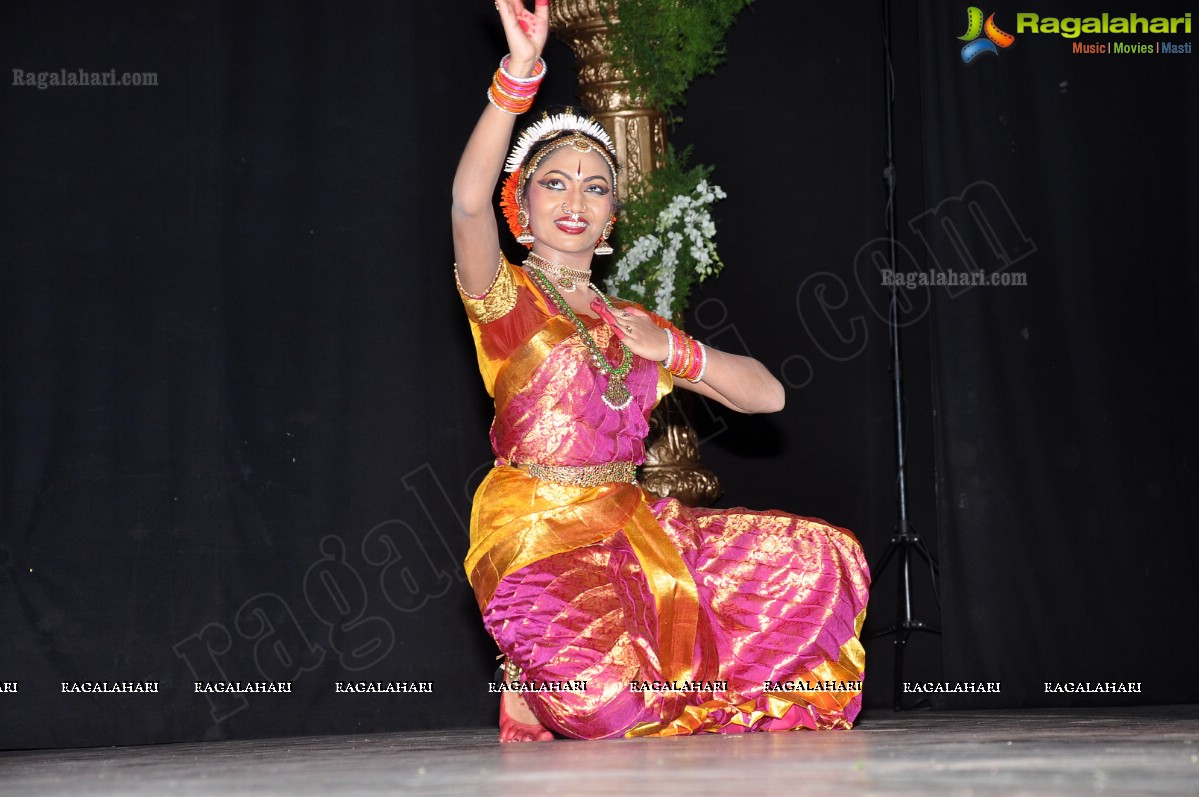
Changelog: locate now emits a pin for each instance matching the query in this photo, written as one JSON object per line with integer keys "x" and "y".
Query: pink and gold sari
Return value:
{"x": 678, "y": 620}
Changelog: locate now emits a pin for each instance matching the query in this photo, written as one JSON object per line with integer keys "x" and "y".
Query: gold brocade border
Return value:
{"x": 850, "y": 666}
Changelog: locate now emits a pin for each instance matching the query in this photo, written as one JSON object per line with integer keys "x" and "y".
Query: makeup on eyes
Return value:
{"x": 594, "y": 180}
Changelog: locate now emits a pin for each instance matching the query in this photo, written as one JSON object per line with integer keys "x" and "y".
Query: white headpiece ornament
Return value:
{"x": 550, "y": 126}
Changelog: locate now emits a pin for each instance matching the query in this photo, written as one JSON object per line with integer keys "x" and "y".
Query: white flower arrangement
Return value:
{"x": 661, "y": 266}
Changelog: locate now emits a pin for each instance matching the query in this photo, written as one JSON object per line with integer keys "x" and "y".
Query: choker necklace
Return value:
{"x": 564, "y": 277}
{"x": 616, "y": 395}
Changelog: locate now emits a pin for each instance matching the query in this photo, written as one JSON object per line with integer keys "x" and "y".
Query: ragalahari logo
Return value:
{"x": 995, "y": 38}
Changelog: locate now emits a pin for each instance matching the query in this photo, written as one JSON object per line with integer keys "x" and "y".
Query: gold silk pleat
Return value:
{"x": 674, "y": 591}
{"x": 524, "y": 520}
{"x": 519, "y": 520}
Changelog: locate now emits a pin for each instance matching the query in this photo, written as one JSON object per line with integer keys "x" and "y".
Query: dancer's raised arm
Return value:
{"x": 476, "y": 239}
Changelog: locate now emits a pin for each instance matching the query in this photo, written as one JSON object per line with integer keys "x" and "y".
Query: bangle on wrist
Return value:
{"x": 538, "y": 71}
{"x": 513, "y": 94}
{"x": 686, "y": 357}
{"x": 703, "y": 359}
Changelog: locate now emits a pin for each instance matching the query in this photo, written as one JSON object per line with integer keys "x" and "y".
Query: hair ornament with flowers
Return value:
{"x": 551, "y": 125}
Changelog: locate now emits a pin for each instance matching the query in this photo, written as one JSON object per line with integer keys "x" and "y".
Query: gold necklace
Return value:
{"x": 564, "y": 277}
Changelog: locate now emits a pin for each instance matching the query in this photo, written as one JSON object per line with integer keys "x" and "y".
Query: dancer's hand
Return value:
{"x": 636, "y": 328}
{"x": 526, "y": 31}
{"x": 738, "y": 382}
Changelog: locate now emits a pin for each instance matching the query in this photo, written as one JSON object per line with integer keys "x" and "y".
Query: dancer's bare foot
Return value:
{"x": 518, "y": 723}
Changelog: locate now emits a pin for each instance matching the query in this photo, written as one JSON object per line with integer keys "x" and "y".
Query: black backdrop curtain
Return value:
{"x": 1066, "y": 442}
{"x": 239, "y": 417}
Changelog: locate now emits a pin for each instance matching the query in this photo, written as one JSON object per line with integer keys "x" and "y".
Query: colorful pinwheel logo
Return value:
{"x": 975, "y": 27}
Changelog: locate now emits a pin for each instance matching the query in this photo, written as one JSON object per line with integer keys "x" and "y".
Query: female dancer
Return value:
{"x": 666, "y": 620}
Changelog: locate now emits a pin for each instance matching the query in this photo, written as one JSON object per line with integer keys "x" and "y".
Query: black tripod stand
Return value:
{"x": 905, "y": 540}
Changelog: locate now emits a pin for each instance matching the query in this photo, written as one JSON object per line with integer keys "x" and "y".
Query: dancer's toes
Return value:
{"x": 518, "y": 723}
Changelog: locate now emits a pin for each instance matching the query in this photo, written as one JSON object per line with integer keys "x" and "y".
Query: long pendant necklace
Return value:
{"x": 616, "y": 395}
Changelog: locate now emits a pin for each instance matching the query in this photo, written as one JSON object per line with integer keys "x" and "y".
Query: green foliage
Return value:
{"x": 648, "y": 200}
{"x": 662, "y": 45}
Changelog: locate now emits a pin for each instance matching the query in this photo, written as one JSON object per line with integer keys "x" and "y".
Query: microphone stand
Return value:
{"x": 905, "y": 540}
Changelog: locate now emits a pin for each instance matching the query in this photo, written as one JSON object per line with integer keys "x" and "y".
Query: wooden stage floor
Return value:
{"x": 1142, "y": 751}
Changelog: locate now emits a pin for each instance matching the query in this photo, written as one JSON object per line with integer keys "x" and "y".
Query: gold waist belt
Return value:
{"x": 582, "y": 475}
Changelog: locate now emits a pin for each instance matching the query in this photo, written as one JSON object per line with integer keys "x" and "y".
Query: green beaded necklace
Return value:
{"x": 616, "y": 395}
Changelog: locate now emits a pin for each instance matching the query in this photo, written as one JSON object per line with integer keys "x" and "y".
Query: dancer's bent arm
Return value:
{"x": 476, "y": 239}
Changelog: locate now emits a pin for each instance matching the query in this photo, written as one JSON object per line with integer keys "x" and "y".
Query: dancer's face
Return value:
{"x": 569, "y": 200}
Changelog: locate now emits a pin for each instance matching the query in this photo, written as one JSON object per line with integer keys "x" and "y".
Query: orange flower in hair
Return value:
{"x": 510, "y": 205}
